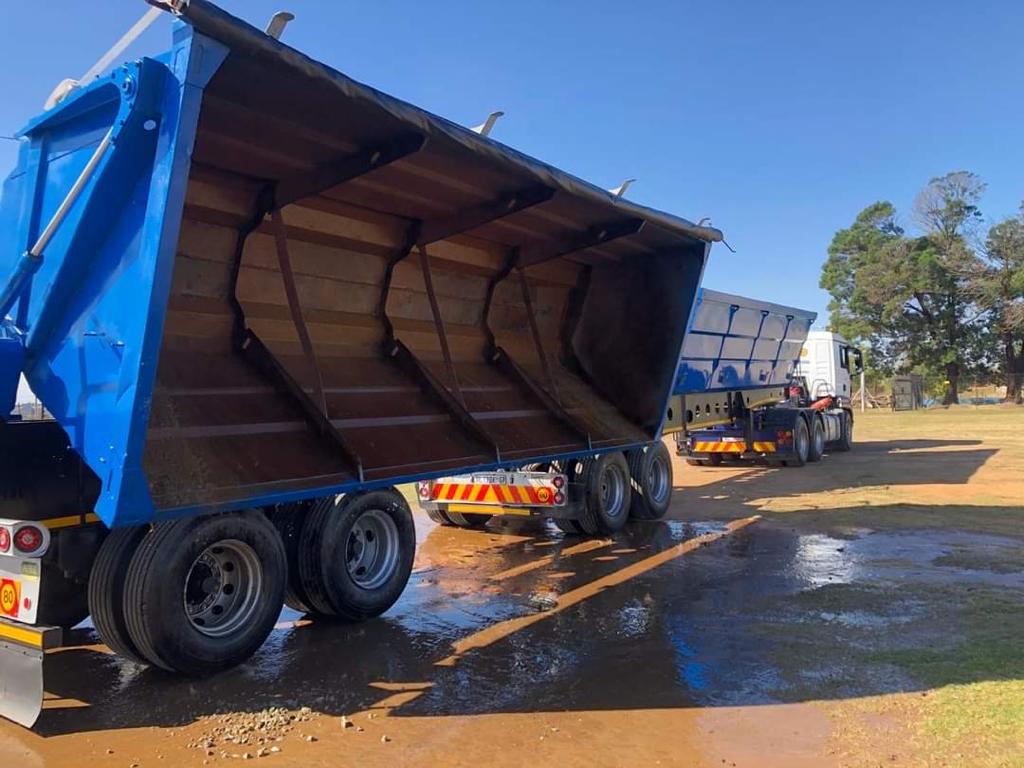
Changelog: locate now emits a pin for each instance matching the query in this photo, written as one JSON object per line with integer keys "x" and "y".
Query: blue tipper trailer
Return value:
{"x": 738, "y": 393}
{"x": 255, "y": 295}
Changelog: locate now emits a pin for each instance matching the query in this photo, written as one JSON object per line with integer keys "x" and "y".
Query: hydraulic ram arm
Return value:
{"x": 33, "y": 258}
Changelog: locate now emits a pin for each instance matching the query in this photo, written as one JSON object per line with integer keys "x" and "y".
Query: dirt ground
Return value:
{"x": 872, "y": 615}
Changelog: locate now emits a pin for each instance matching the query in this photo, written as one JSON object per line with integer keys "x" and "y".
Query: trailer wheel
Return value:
{"x": 467, "y": 520}
{"x": 696, "y": 462}
{"x": 289, "y": 520}
{"x": 816, "y": 445}
{"x": 606, "y": 495}
{"x": 203, "y": 593}
{"x": 567, "y": 526}
{"x": 310, "y": 565}
{"x": 801, "y": 444}
{"x": 651, "y": 471}
{"x": 438, "y": 516}
{"x": 360, "y": 558}
{"x": 106, "y": 591}
{"x": 845, "y": 441}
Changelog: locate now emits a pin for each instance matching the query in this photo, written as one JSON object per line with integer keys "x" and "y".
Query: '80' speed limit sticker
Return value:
{"x": 9, "y": 597}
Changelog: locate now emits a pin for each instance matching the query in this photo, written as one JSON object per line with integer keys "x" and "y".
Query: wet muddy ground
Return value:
{"x": 871, "y": 615}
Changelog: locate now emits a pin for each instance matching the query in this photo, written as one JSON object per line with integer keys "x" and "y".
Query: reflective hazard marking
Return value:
{"x": 702, "y": 446}
{"x": 493, "y": 493}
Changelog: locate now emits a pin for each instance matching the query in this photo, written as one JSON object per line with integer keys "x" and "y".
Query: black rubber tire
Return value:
{"x": 696, "y": 462}
{"x": 325, "y": 561}
{"x": 845, "y": 441}
{"x": 63, "y": 602}
{"x": 106, "y": 590}
{"x": 816, "y": 447}
{"x": 467, "y": 520}
{"x": 801, "y": 444}
{"x": 651, "y": 494}
{"x": 289, "y": 520}
{"x": 715, "y": 459}
{"x": 438, "y": 517}
{"x": 156, "y": 580}
{"x": 567, "y": 526}
{"x": 309, "y": 553}
{"x": 598, "y": 517}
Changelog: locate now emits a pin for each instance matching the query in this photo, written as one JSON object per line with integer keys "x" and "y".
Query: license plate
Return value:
{"x": 20, "y": 581}
{"x": 499, "y": 478}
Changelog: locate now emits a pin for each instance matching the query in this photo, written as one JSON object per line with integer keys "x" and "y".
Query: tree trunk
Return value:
{"x": 1013, "y": 388}
{"x": 1014, "y": 371}
{"x": 953, "y": 380}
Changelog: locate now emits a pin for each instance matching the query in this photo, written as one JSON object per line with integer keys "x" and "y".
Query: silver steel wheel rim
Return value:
{"x": 803, "y": 442}
{"x": 613, "y": 491}
{"x": 819, "y": 440}
{"x": 222, "y": 588}
{"x": 657, "y": 480}
{"x": 371, "y": 552}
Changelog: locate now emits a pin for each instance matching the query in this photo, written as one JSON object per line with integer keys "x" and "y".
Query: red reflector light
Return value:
{"x": 558, "y": 482}
{"x": 28, "y": 539}
{"x": 5, "y": 540}
{"x": 424, "y": 490}
{"x": 559, "y": 497}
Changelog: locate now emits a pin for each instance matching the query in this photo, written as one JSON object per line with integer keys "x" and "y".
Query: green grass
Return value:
{"x": 998, "y": 520}
{"x": 975, "y": 693}
{"x": 996, "y": 560}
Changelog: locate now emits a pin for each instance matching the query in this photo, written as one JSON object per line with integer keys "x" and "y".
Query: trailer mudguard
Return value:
{"x": 280, "y": 283}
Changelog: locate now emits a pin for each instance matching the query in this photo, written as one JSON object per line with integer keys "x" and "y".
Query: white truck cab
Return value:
{"x": 828, "y": 363}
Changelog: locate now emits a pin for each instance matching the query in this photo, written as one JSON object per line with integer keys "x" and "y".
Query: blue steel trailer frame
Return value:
{"x": 93, "y": 333}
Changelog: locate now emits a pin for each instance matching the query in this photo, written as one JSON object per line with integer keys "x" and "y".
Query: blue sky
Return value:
{"x": 779, "y": 121}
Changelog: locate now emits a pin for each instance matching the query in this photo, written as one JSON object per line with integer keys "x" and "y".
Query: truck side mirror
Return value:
{"x": 858, "y": 361}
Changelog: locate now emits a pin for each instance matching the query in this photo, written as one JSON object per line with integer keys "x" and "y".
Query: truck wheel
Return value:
{"x": 845, "y": 441}
{"x": 289, "y": 520}
{"x": 357, "y": 554}
{"x": 606, "y": 494}
{"x": 203, "y": 593}
{"x": 816, "y": 446}
{"x": 801, "y": 444}
{"x": 696, "y": 462}
{"x": 106, "y": 590}
{"x": 567, "y": 526}
{"x": 651, "y": 471}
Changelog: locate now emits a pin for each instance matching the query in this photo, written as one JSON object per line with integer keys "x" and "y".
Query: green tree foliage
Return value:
{"x": 997, "y": 284}
{"x": 910, "y": 298}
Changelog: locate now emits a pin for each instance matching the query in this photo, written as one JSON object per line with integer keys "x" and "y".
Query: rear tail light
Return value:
{"x": 29, "y": 539}
{"x": 5, "y": 540}
{"x": 559, "y": 497}
{"x": 423, "y": 490}
{"x": 558, "y": 482}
